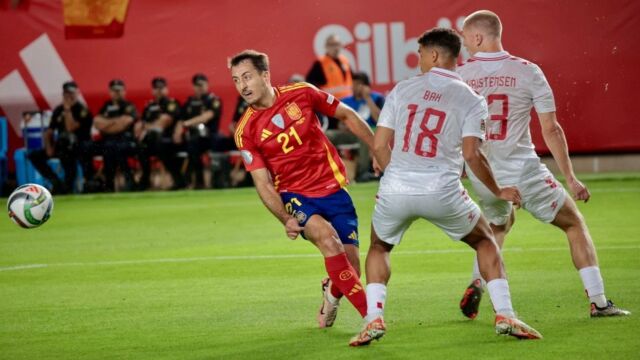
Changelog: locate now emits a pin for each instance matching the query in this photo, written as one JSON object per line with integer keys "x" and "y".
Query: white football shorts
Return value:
{"x": 542, "y": 196}
{"x": 453, "y": 211}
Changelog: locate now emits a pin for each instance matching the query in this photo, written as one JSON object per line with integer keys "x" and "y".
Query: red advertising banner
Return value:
{"x": 588, "y": 50}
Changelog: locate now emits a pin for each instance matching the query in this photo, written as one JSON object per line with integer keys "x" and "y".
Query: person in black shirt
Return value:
{"x": 115, "y": 123}
{"x": 199, "y": 126}
{"x": 155, "y": 134}
{"x": 67, "y": 138}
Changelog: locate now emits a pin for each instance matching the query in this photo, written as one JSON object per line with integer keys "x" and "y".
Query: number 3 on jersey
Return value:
{"x": 501, "y": 134}
{"x": 425, "y": 132}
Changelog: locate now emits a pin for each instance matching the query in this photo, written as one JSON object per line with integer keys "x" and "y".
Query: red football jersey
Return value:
{"x": 287, "y": 140}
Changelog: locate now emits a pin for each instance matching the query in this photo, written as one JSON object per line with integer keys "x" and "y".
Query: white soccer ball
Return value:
{"x": 30, "y": 205}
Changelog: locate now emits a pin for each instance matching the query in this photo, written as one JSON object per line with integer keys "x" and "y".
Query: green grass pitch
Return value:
{"x": 210, "y": 274}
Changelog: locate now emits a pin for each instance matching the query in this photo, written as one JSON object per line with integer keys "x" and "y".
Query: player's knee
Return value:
{"x": 328, "y": 239}
{"x": 569, "y": 218}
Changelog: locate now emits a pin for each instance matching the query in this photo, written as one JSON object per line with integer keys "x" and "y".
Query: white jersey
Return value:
{"x": 511, "y": 86}
{"x": 430, "y": 115}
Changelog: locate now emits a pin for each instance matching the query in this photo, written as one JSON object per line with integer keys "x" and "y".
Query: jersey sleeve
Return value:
{"x": 251, "y": 156}
{"x": 541, "y": 92}
{"x": 474, "y": 122}
{"x": 323, "y": 102}
{"x": 388, "y": 114}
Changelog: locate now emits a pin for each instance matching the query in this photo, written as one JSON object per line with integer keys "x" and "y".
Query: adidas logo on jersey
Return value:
{"x": 265, "y": 134}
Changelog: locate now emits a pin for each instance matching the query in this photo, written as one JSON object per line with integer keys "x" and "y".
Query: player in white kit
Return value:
{"x": 434, "y": 120}
{"x": 512, "y": 86}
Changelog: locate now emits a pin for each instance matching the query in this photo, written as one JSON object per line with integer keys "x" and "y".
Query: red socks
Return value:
{"x": 344, "y": 277}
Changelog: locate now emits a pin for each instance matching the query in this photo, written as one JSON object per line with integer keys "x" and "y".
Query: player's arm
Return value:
{"x": 358, "y": 127}
{"x": 355, "y": 124}
{"x": 480, "y": 167}
{"x": 381, "y": 148}
{"x": 271, "y": 199}
{"x": 557, "y": 143}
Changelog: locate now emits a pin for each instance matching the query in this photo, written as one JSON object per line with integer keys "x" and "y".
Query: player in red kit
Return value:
{"x": 298, "y": 173}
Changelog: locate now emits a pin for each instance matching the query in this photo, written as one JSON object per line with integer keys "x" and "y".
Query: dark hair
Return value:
{"x": 443, "y": 38}
{"x": 362, "y": 77}
{"x": 259, "y": 60}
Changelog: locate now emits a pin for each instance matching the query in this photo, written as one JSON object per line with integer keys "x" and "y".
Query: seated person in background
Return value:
{"x": 199, "y": 127}
{"x": 115, "y": 123}
{"x": 368, "y": 104}
{"x": 155, "y": 134}
{"x": 67, "y": 138}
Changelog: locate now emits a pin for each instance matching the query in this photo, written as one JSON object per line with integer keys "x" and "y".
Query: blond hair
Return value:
{"x": 486, "y": 20}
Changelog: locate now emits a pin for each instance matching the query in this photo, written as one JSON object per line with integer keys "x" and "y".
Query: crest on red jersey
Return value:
{"x": 293, "y": 111}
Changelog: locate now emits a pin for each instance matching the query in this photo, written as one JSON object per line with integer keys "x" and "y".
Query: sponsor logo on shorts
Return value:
{"x": 554, "y": 205}
{"x": 300, "y": 216}
{"x": 471, "y": 216}
{"x": 346, "y": 275}
{"x": 552, "y": 184}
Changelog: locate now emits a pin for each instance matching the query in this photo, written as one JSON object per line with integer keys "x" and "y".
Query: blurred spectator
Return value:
{"x": 331, "y": 72}
{"x": 368, "y": 104}
{"x": 67, "y": 138}
{"x": 155, "y": 134}
{"x": 115, "y": 123}
{"x": 199, "y": 127}
{"x": 241, "y": 107}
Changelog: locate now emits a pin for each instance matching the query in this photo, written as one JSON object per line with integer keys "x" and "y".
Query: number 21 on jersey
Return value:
{"x": 283, "y": 138}
{"x": 425, "y": 131}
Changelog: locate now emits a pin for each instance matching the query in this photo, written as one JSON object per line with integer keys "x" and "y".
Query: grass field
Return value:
{"x": 210, "y": 274}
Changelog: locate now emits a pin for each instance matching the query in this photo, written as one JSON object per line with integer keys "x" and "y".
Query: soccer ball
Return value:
{"x": 30, "y": 205}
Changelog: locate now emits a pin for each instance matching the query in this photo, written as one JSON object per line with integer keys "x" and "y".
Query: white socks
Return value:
{"x": 376, "y": 296}
{"x": 500, "y": 297}
{"x": 593, "y": 284}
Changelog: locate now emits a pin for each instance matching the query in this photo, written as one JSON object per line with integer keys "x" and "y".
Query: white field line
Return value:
{"x": 290, "y": 256}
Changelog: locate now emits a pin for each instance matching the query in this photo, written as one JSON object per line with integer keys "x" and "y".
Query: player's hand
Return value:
{"x": 578, "y": 189}
{"x": 292, "y": 228}
{"x": 512, "y": 194}
{"x": 377, "y": 169}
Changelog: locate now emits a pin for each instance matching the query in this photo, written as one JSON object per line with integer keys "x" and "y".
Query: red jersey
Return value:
{"x": 288, "y": 141}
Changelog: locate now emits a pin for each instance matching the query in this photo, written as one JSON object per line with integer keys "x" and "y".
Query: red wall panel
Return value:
{"x": 588, "y": 50}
